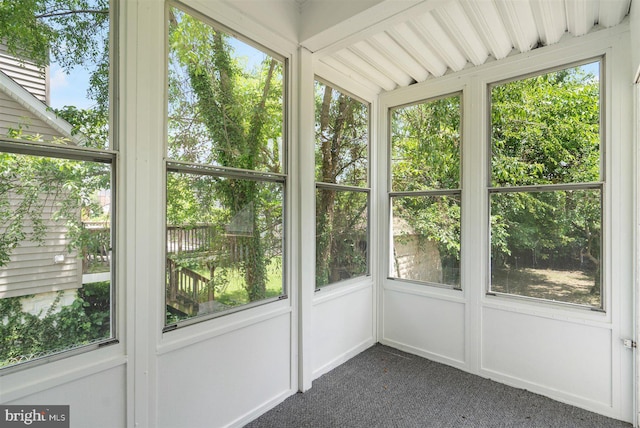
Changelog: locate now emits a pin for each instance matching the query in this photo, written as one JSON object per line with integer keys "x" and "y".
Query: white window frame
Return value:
{"x": 172, "y": 165}
{"x": 318, "y": 185}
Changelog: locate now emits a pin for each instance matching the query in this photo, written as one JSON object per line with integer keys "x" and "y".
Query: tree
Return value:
{"x": 425, "y": 157}
{"x": 342, "y": 143}
{"x": 37, "y": 188}
{"x": 546, "y": 130}
{"x": 67, "y": 32}
{"x": 70, "y": 33}
{"x": 234, "y": 118}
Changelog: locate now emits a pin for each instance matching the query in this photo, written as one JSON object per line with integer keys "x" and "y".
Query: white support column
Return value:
{"x": 306, "y": 213}
{"x": 474, "y": 257}
{"x": 636, "y": 237}
{"x": 380, "y": 206}
{"x": 142, "y": 132}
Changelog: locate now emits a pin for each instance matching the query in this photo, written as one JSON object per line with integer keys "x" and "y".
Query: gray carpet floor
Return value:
{"x": 384, "y": 387}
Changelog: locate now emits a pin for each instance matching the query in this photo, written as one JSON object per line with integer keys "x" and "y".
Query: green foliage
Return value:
{"x": 25, "y": 336}
{"x": 69, "y": 32}
{"x": 425, "y": 145}
{"x": 91, "y": 125}
{"x": 425, "y": 151}
{"x": 224, "y": 114}
{"x": 33, "y": 185}
{"x": 341, "y": 153}
{"x": 546, "y": 130}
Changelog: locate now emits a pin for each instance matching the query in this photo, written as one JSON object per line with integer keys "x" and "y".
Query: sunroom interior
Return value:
{"x": 435, "y": 232}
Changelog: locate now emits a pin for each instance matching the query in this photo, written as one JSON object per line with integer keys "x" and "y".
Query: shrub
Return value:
{"x": 25, "y": 336}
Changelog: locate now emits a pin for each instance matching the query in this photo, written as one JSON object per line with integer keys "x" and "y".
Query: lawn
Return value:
{"x": 571, "y": 286}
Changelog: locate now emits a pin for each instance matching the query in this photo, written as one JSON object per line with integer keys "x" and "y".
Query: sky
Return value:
{"x": 68, "y": 89}
{"x": 71, "y": 89}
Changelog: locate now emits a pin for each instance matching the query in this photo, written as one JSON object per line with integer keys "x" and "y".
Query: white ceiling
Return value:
{"x": 395, "y": 43}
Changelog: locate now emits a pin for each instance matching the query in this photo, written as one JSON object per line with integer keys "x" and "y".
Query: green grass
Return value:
{"x": 232, "y": 291}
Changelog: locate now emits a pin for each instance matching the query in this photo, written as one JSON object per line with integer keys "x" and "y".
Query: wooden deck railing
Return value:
{"x": 96, "y": 253}
{"x": 187, "y": 289}
{"x": 189, "y": 238}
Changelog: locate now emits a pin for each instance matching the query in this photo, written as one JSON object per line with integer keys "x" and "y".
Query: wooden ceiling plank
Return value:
{"x": 350, "y": 59}
{"x": 372, "y": 55}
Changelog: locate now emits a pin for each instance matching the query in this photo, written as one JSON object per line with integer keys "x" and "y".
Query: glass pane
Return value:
{"x": 55, "y": 60}
{"x": 342, "y": 235}
{"x": 425, "y": 145}
{"x": 342, "y": 138}
{"x": 548, "y": 245}
{"x": 225, "y": 99}
{"x": 55, "y": 255}
{"x": 426, "y": 239}
{"x": 546, "y": 129}
{"x": 224, "y": 244}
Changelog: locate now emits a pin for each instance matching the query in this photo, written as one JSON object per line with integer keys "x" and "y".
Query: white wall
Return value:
{"x": 227, "y": 379}
{"x": 572, "y": 355}
{"x": 94, "y": 401}
{"x": 342, "y": 324}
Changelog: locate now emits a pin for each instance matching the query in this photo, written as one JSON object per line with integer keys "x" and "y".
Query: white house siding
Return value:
{"x": 32, "y": 269}
{"x": 25, "y": 73}
{"x": 15, "y": 116}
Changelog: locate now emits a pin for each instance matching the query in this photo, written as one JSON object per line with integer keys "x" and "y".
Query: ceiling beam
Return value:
{"x": 406, "y": 36}
{"x": 461, "y": 30}
{"x": 371, "y": 21}
{"x": 551, "y": 20}
{"x": 434, "y": 36}
{"x": 486, "y": 19}
{"x": 581, "y": 16}
{"x": 519, "y": 23}
{"x": 612, "y": 12}
{"x": 398, "y": 55}
{"x": 350, "y": 59}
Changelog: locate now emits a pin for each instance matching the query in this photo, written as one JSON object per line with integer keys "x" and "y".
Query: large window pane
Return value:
{"x": 425, "y": 145}
{"x": 221, "y": 254}
{"x": 342, "y": 235}
{"x": 425, "y": 198}
{"x": 54, "y": 58}
{"x": 546, "y": 129}
{"x": 426, "y": 239}
{"x": 546, "y": 238}
{"x": 55, "y": 197}
{"x": 225, "y": 195}
{"x": 55, "y": 254}
{"x": 225, "y": 99}
{"x": 342, "y": 138}
{"x": 547, "y": 245}
{"x": 342, "y": 186}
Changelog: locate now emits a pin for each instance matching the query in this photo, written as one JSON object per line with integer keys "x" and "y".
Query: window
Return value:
{"x": 57, "y": 180}
{"x": 547, "y": 187}
{"x": 342, "y": 186}
{"x": 425, "y": 192}
{"x": 226, "y": 180}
